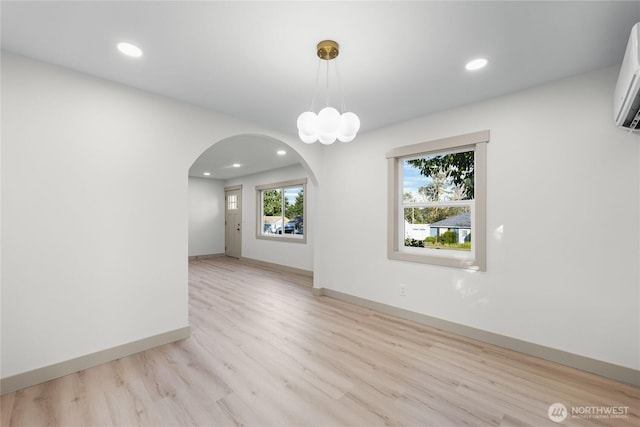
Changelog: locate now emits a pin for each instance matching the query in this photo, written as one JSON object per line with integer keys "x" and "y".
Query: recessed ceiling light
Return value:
{"x": 476, "y": 64}
{"x": 206, "y": 173}
{"x": 130, "y": 49}
{"x": 281, "y": 152}
{"x": 236, "y": 165}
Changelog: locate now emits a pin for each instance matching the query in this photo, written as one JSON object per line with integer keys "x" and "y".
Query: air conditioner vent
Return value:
{"x": 626, "y": 99}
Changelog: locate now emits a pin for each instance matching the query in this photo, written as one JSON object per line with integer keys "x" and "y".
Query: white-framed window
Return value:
{"x": 281, "y": 211}
{"x": 437, "y": 202}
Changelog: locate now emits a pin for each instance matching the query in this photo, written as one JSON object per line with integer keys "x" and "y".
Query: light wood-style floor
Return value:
{"x": 265, "y": 352}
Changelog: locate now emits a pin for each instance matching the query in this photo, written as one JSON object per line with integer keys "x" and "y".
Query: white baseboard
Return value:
{"x": 57, "y": 370}
{"x": 207, "y": 256}
{"x": 277, "y": 267}
{"x": 598, "y": 367}
{"x": 259, "y": 263}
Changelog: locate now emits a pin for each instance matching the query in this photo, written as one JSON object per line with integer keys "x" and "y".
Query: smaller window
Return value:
{"x": 281, "y": 211}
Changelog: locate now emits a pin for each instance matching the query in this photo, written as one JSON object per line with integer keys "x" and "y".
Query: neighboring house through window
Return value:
{"x": 281, "y": 211}
{"x": 437, "y": 193}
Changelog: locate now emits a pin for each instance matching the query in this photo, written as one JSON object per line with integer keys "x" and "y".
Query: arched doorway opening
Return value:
{"x": 242, "y": 163}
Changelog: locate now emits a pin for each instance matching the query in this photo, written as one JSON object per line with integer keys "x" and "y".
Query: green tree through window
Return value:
{"x": 297, "y": 208}
{"x": 458, "y": 167}
{"x": 272, "y": 202}
{"x": 437, "y": 197}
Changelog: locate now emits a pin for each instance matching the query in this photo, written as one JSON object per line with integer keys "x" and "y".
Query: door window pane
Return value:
{"x": 232, "y": 201}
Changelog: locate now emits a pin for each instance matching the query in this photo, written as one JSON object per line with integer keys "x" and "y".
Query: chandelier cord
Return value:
{"x": 326, "y": 90}
{"x": 315, "y": 88}
{"x": 340, "y": 93}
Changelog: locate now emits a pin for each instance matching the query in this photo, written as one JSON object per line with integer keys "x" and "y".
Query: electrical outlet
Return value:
{"x": 403, "y": 290}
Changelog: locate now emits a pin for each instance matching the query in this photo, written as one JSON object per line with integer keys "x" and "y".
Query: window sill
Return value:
{"x": 465, "y": 261}
{"x": 277, "y": 238}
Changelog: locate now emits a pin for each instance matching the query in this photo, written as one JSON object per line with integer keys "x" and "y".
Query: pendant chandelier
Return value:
{"x": 329, "y": 124}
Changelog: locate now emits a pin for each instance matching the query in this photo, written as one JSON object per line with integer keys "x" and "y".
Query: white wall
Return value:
{"x": 290, "y": 254}
{"x": 206, "y": 216}
{"x": 95, "y": 211}
{"x": 559, "y": 176}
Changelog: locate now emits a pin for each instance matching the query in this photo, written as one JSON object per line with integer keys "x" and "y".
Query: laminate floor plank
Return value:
{"x": 6, "y": 408}
{"x": 265, "y": 352}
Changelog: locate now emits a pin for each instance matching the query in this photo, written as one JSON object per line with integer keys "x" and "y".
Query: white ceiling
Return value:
{"x": 254, "y": 153}
{"x": 256, "y": 60}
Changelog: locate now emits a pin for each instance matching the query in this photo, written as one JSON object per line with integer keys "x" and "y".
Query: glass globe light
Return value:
{"x": 346, "y": 138}
{"x": 327, "y": 138}
{"x": 308, "y": 139}
{"x": 328, "y": 121}
{"x": 308, "y": 123}
{"x": 349, "y": 126}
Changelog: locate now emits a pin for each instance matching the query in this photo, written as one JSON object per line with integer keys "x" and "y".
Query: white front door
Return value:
{"x": 233, "y": 222}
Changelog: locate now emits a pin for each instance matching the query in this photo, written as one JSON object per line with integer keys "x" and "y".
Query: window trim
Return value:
{"x": 259, "y": 214}
{"x": 476, "y": 140}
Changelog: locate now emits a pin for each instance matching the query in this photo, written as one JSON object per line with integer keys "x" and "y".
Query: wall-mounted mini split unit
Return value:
{"x": 626, "y": 100}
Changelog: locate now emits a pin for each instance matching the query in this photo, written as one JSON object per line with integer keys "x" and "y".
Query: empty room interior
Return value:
{"x": 421, "y": 213}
